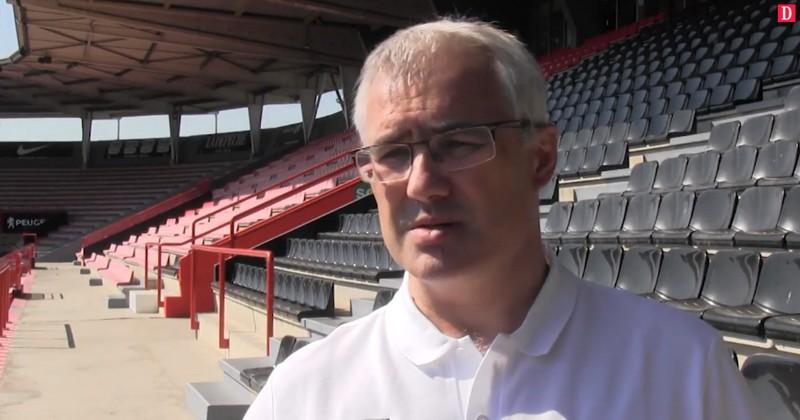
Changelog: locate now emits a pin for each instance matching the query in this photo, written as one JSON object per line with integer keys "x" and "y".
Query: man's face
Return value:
{"x": 440, "y": 224}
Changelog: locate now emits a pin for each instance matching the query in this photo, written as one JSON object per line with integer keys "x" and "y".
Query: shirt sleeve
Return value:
{"x": 727, "y": 395}
{"x": 263, "y": 408}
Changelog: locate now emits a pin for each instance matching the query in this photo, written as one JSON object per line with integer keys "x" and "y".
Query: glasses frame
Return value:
{"x": 491, "y": 127}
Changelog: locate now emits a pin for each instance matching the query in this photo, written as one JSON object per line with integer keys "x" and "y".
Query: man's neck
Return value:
{"x": 485, "y": 303}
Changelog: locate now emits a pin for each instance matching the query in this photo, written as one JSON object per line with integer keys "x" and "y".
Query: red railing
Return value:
{"x": 134, "y": 219}
{"x": 232, "y": 227}
{"x": 13, "y": 266}
{"x": 224, "y": 254}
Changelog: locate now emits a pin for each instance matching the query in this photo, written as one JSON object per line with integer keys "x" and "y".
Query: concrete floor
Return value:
{"x": 123, "y": 365}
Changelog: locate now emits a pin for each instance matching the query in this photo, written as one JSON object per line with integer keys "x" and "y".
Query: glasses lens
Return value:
{"x": 386, "y": 162}
{"x": 461, "y": 149}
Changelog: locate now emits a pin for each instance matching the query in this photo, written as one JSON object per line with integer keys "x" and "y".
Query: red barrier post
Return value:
{"x": 4, "y": 274}
{"x": 224, "y": 343}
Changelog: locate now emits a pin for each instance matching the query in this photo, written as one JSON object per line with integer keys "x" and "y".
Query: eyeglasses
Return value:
{"x": 452, "y": 150}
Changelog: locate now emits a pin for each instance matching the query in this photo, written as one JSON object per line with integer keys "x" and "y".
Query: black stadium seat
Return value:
{"x": 730, "y": 281}
{"x": 777, "y": 285}
{"x": 774, "y": 381}
{"x": 639, "y": 270}
{"x": 602, "y": 266}
{"x": 681, "y": 274}
{"x": 658, "y": 129}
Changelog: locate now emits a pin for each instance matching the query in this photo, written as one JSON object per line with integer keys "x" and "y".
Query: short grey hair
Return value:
{"x": 407, "y": 56}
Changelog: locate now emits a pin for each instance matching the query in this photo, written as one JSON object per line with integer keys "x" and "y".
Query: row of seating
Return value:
{"x": 363, "y": 260}
{"x": 758, "y": 217}
{"x": 758, "y": 131}
{"x": 295, "y": 294}
{"x": 775, "y": 164}
{"x": 356, "y": 227}
{"x": 146, "y": 147}
{"x": 730, "y": 289}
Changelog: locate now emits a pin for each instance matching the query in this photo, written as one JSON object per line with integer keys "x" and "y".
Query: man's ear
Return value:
{"x": 542, "y": 154}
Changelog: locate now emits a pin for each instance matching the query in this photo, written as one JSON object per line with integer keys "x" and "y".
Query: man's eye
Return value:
{"x": 390, "y": 155}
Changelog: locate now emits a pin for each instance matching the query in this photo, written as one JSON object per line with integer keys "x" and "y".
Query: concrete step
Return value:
{"x": 233, "y": 369}
{"x": 217, "y": 400}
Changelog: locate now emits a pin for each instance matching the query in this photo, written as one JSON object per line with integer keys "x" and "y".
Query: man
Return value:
{"x": 456, "y": 142}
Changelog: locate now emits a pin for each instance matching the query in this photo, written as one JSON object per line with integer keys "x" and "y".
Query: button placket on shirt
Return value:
{"x": 480, "y": 397}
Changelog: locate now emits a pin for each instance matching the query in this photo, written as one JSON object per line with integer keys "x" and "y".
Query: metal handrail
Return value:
{"x": 269, "y": 287}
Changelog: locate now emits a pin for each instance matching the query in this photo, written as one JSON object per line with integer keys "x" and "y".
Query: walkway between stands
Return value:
{"x": 72, "y": 358}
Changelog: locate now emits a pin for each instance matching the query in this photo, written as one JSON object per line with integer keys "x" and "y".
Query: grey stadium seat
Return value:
{"x": 777, "y": 285}
{"x": 674, "y": 213}
{"x": 573, "y": 258}
{"x": 755, "y": 131}
{"x": 640, "y": 218}
{"x": 593, "y": 160}
{"x": 787, "y": 126}
{"x": 736, "y": 167}
{"x": 610, "y": 215}
{"x": 641, "y": 178}
{"x": 670, "y": 174}
{"x": 557, "y": 220}
{"x": 776, "y": 163}
{"x": 616, "y": 156}
{"x": 681, "y": 274}
{"x": 602, "y": 266}
{"x": 757, "y": 211}
{"x": 681, "y": 123}
{"x": 584, "y": 213}
{"x": 792, "y": 99}
{"x": 637, "y": 132}
{"x": 639, "y": 270}
{"x": 723, "y": 136}
{"x": 730, "y": 281}
{"x": 713, "y": 211}
{"x": 600, "y": 135}
{"x": 701, "y": 170}
{"x": 619, "y": 131}
{"x": 774, "y": 381}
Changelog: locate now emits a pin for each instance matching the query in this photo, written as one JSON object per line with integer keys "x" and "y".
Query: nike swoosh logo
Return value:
{"x": 22, "y": 151}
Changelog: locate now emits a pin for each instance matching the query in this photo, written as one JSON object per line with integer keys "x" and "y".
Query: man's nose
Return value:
{"x": 426, "y": 180}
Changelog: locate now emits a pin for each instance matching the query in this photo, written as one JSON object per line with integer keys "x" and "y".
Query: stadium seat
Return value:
{"x": 698, "y": 101}
{"x": 789, "y": 220}
{"x": 756, "y": 131}
{"x": 602, "y": 265}
{"x": 610, "y": 215}
{"x": 606, "y": 118}
{"x": 583, "y": 138}
{"x": 712, "y": 214}
{"x": 547, "y": 194}
{"x": 637, "y": 132}
{"x": 639, "y": 270}
{"x": 640, "y": 218}
{"x": 575, "y": 158}
{"x": 616, "y": 156}
{"x": 787, "y": 126}
{"x": 557, "y": 221}
{"x": 736, "y": 167}
{"x": 777, "y": 285}
{"x": 681, "y": 275}
{"x": 593, "y": 160}
{"x": 581, "y": 222}
{"x": 670, "y": 174}
{"x": 677, "y": 103}
{"x": 600, "y": 136}
{"x": 730, "y": 281}
{"x": 567, "y": 141}
{"x": 747, "y": 90}
{"x": 692, "y": 85}
{"x": 758, "y": 70}
{"x": 756, "y": 216}
{"x": 776, "y": 163}
{"x": 641, "y": 178}
{"x": 701, "y": 170}
{"x": 658, "y": 129}
{"x": 619, "y": 131}
{"x": 781, "y": 68}
{"x": 724, "y": 136}
{"x": 681, "y": 123}
{"x": 721, "y": 98}
{"x": 774, "y": 381}
{"x": 573, "y": 258}
{"x": 792, "y": 99}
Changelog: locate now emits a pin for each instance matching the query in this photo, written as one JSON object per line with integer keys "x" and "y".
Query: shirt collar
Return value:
{"x": 415, "y": 336}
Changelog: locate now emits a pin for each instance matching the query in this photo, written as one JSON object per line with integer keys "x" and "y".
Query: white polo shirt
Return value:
{"x": 582, "y": 352}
